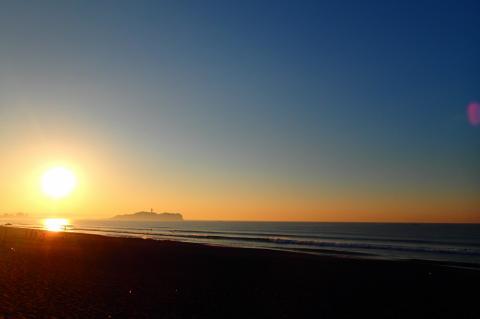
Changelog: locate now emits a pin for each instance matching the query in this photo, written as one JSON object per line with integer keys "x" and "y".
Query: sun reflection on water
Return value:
{"x": 55, "y": 224}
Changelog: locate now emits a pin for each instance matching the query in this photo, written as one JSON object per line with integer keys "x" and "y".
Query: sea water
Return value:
{"x": 441, "y": 242}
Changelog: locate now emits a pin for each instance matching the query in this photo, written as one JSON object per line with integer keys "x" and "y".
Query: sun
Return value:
{"x": 58, "y": 182}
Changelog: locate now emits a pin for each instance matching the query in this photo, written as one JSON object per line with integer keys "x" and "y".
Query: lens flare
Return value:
{"x": 473, "y": 112}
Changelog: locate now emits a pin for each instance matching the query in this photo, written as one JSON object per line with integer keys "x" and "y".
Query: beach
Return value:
{"x": 69, "y": 275}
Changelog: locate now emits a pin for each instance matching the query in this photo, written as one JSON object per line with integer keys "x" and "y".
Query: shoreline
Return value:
{"x": 319, "y": 252}
{"x": 72, "y": 275}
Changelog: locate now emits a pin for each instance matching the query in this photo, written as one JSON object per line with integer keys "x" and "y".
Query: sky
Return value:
{"x": 243, "y": 110}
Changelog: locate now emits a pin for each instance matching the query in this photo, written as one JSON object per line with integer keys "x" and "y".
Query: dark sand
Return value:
{"x": 67, "y": 275}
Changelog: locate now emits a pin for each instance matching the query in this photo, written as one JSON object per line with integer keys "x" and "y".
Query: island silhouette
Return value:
{"x": 151, "y": 215}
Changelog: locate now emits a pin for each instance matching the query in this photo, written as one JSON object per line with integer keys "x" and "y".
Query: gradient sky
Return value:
{"x": 232, "y": 110}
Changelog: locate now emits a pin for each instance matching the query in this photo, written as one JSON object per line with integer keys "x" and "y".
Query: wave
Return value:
{"x": 289, "y": 241}
{"x": 333, "y": 237}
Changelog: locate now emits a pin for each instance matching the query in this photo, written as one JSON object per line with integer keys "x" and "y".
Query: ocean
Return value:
{"x": 439, "y": 242}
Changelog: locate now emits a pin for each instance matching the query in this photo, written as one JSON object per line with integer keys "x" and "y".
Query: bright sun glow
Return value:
{"x": 58, "y": 182}
{"x": 55, "y": 224}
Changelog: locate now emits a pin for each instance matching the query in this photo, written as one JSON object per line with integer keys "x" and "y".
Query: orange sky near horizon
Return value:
{"x": 107, "y": 187}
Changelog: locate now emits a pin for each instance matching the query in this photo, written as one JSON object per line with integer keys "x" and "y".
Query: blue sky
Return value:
{"x": 311, "y": 97}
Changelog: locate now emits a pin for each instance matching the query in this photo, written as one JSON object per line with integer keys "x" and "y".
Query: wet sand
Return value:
{"x": 67, "y": 275}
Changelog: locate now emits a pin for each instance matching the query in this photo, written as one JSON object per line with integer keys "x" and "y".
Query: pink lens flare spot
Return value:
{"x": 473, "y": 112}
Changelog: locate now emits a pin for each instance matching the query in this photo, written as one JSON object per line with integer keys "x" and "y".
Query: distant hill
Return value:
{"x": 150, "y": 216}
